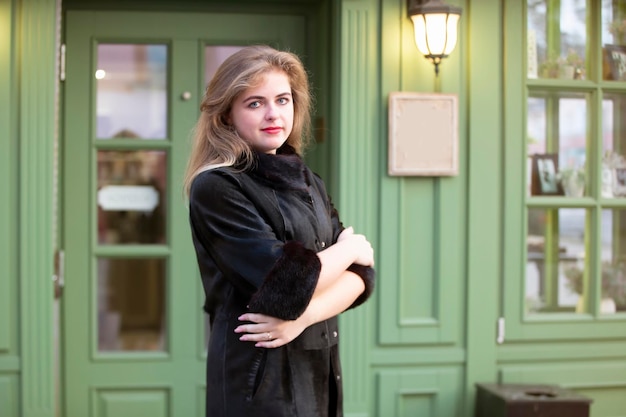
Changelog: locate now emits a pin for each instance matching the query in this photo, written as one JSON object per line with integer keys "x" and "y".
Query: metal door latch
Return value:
{"x": 59, "y": 273}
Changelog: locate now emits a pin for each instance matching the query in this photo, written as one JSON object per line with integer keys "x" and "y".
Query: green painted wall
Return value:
{"x": 36, "y": 32}
{"x": 27, "y": 74}
{"x": 483, "y": 108}
{"x": 9, "y": 359}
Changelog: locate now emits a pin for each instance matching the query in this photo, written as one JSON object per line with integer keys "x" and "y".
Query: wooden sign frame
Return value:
{"x": 423, "y": 134}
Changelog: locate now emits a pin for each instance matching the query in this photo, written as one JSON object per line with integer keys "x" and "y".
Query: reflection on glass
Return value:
{"x": 557, "y": 144}
{"x": 562, "y": 54}
{"x": 132, "y": 186}
{"x": 572, "y": 144}
{"x": 613, "y": 267}
{"x": 214, "y": 55}
{"x": 131, "y": 305}
{"x": 556, "y": 251}
{"x": 613, "y": 40}
{"x": 536, "y": 36}
{"x": 131, "y": 91}
{"x": 614, "y": 144}
{"x": 613, "y": 23}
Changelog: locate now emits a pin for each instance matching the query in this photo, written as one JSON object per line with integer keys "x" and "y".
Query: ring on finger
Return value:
{"x": 268, "y": 336}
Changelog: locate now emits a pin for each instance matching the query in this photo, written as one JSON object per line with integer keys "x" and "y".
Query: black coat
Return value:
{"x": 256, "y": 235}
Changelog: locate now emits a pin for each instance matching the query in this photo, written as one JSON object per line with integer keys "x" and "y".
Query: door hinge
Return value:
{"x": 62, "y": 63}
{"x": 500, "y": 335}
{"x": 59, "y": 273}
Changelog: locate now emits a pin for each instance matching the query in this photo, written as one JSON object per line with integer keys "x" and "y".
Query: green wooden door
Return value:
{"x": 133, "y": 329}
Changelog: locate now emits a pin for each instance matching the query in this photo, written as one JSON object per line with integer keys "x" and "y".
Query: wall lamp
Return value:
{"x": 435, "y": 25}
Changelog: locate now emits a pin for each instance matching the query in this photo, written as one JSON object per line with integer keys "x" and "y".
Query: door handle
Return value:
{"x": 59, "y": 273}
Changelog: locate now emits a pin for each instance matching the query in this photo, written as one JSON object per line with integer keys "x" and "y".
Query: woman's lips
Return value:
{"x": 272, "y": 129}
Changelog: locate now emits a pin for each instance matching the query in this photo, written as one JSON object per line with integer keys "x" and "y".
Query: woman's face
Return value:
{"x": 263, "y": 115}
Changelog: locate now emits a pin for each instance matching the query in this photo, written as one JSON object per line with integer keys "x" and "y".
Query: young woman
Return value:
{"x": 277, "y": 265}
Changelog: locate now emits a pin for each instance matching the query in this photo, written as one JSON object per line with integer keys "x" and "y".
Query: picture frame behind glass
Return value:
{"x": 543, "y": 180}
{"x": 615, "y": 62}
{"x": 619, "y": 181}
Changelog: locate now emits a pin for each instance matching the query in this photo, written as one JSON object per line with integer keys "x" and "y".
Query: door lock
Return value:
{"x": 186, "y": 96}
{"x": 59, "y": 273}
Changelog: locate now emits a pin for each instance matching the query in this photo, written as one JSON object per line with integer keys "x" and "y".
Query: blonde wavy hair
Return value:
{"x": 215, "y": 143}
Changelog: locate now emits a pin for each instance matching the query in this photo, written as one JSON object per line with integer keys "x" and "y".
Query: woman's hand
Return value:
{"x": 268, "y": 331}
{"x": 363, "y": 251}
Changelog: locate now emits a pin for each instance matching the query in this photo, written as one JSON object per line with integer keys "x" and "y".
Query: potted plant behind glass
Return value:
{"x": 613, "y": 286}
{"x": 550, "y": 67}
{"x": 572, "y": 181}
{"x": 566, "y": 67}
{"x": 614, "y": 283}
{"x": 574, "y": 64}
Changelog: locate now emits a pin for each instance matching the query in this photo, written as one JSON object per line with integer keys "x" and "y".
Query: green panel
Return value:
{"x": 183, "y": 261}
{"x": 8, "y": 210}
{"x": 484, "y": 250}
{"x": 429, "y": 392}
{"x": 9, "y": 395}
{"x": 608, "y": 401}
{"x": 604, "y": 383}
{"x": 416, "y": 292}
{"x": 358, "y": 175}
{"x": 131, "y": 403}
{"x": 563, "y": 350}
{"x": 36, "y": 89}
{"x": 200, "y": 400}
{"x": 422, "y": 240}
{"x": 267, "y": 28}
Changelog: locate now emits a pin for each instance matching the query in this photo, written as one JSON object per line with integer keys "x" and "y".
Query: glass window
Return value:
{"x": 613, "y": 265}
{"x": 214, "y": 55}
{"x": 614, "y": 145}
{"x": 131, "y": 197}
{"x": 613, "y": 40}
{"x": 556, "y": 39}
{"x": 131, "y": 99}
{"x": 131, "y": 304}
{"x": 557, "y": 144}
{"x": 575, "y": 158}
{"x": 555, "y": 245}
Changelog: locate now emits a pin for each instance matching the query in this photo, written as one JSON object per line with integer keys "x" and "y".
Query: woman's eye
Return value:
{"x": 283, "y": 100}
{"x": 254, "y": 104}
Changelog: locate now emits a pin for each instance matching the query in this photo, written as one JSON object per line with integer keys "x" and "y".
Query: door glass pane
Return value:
{"x": 214, "y": 55}
{"x": 614, "y": 143}
{"x": 131, "y": 91}
{"x": 131, "y": 304}
{"x": 555, "y": 252}
{"x": 613, "y": 40}
{"x": 613, "y": 286}
{"x": 131, "y": 197}
{"x": 556, "y": 39}
{"x": 556, "y": 143}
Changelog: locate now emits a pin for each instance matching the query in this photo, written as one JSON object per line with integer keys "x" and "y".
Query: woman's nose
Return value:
{"x": 272, "y": 112}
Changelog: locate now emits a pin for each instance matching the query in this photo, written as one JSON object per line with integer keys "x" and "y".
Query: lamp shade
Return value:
{"x": 435, "y": 24}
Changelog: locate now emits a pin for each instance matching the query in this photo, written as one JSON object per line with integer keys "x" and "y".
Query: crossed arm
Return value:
{"x": 336, "y": 290}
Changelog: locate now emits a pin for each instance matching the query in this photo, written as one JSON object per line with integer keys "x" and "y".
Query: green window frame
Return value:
{"x": 589, "y": 88}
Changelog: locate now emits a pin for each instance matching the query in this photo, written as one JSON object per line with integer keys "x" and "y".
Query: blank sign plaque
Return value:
{"x": 423, "y": 134}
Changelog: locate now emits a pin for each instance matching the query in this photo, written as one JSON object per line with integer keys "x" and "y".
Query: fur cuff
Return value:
{"x": 288, "y": 288}
{"x": 368, "y": 275}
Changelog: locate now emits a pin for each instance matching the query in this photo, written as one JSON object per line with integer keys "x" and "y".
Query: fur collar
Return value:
{"x": 285, "y": 170}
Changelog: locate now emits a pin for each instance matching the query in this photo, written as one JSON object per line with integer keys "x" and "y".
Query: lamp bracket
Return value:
{"x": 414, "y": 7}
